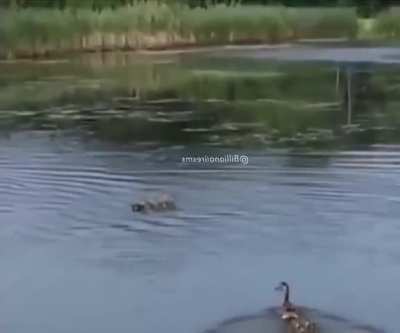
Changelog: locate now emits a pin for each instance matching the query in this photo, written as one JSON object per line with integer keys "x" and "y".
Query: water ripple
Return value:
{"x": 85, "y": 191}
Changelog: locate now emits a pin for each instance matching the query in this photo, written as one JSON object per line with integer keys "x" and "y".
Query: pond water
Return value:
{"x": 317, "y": 204}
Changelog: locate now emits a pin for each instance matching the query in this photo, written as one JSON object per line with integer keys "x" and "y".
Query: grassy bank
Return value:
{"x": 38, "y": 32}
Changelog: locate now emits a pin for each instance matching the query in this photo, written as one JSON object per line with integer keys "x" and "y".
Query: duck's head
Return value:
{"x": 138, "y": 207}
{"x": 282, "y": 286}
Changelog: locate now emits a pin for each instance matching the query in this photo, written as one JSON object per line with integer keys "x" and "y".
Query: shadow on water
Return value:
{"x": 269, "y": 321}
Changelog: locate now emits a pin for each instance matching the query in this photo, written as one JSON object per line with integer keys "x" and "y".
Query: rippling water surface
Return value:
{"x": 74, "y": 258}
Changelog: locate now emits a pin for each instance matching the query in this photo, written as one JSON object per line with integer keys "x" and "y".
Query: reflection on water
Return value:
{"x": 200, "y": 98}
{"x": 82, "y": 140}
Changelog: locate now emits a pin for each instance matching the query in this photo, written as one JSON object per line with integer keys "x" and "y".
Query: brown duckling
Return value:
{"x": 162, "y": 204}
{"x": 296, "y": 321}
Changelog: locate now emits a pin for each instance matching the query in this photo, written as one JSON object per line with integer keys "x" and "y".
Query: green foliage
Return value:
{"x": 224, "y": 23}
{"x": 323, "y": 22}
{"x": 387, "y": 23}
{"x": 37, "y": 31}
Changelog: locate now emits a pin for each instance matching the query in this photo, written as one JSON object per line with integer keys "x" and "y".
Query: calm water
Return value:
{"x": 317, "y": 204}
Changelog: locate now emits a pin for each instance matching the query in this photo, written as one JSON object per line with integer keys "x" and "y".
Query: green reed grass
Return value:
{"x": 387, "y": 24}
{"x": 223, "y": 24}
{"x": 30, "y": 32}
{"x": 323, "y": 22}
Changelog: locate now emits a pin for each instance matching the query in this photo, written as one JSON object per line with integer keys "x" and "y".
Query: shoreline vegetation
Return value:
{"x": 34, "y": 32}
{"x": 28, "y": 33}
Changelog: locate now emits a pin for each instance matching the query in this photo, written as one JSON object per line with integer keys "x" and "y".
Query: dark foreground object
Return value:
{"x": 164, "y": 203}
{"x": 269, "y": 321}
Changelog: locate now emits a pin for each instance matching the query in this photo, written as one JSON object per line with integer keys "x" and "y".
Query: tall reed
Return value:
{"x": 323, "y": 22}
{"x": 387, "y": 24}
{"x": 35, "y": 32}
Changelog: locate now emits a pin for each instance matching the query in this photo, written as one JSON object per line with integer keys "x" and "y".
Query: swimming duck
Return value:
{"x": 162, "y": 204}
{"x": 297, "y": 322}
{"x": 286, "y": 304}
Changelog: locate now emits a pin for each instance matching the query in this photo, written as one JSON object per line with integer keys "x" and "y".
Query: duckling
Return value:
{"x": 162, "y": 204}
{"x": 297, "y": 323}
{"x": 141, "y": 207}
{"x": 166, "y": 202}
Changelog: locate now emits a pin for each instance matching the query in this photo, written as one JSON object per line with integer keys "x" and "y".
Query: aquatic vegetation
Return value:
{"x": 129, "y": 97}
{"x": 144, "y": 25}
{"x": 229, "y": 24}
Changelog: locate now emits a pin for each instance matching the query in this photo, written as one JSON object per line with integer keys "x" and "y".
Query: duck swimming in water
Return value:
{"x": 287, "y": 307}
{"x": 162, "y": 204}
{"x": 297, "y": 323}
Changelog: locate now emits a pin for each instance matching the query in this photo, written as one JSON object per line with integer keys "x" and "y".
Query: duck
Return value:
{"x": 290, "y": 314}
{"x": 162, "y": 204}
